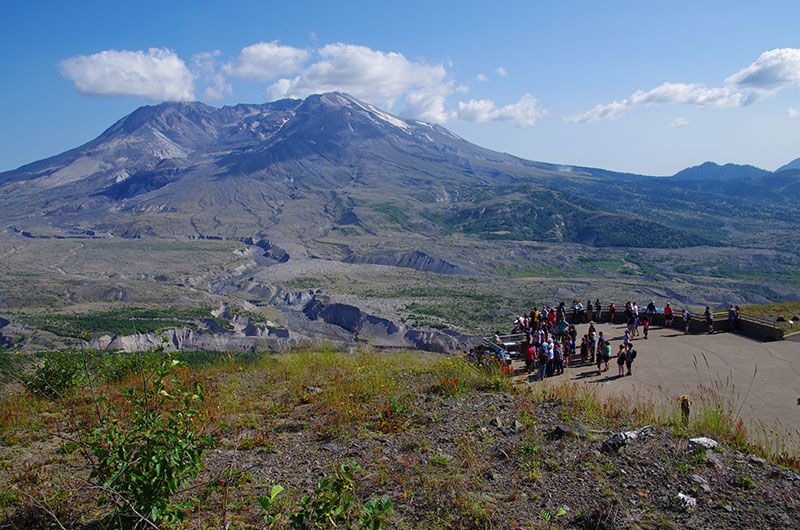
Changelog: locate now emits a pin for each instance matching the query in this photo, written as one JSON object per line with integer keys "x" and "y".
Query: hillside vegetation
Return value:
{"x": 366, "y": 440}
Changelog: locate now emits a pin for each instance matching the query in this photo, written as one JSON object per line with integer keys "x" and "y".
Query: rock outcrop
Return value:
{"x": 416, "y": 260}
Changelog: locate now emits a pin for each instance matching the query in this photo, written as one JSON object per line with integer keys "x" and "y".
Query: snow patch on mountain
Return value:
{"x": 384, "y": 116}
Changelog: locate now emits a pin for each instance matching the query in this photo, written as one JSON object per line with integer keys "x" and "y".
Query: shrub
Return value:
{"x": 144, "y": 455}
{"x": 330, "y": 506}
{"x": 59, "y": 372}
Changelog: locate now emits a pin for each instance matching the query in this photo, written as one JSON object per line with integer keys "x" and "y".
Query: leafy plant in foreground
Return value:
{"x": 145, "y": 455}
{"x": 330, "y": 506}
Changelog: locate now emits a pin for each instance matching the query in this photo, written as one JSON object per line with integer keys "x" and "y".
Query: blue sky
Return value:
{"x": 643, "y": 87}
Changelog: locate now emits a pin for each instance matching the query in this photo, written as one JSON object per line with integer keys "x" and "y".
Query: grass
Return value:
{"x": 394, "y": 214}
{"x": 121, "y": 321}
{"x": 328, "y": 396}
{"x": 772, "y": 311}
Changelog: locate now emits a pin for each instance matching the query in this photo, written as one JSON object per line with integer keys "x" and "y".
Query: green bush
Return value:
{"x": 331, "y": 505}
{"x": 58, "y": 373}
{"x": 143, "y": 456}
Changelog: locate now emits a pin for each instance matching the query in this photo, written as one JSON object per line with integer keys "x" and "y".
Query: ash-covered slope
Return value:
{"x": 294, "y": 169}
{"x": 196, "y": 160}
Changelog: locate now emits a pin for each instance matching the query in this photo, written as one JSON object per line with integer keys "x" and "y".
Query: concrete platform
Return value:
{"x": 670, "y": 364}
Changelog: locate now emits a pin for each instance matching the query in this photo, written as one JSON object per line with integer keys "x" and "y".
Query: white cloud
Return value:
{"x": 522, "y": 113}
{"x": 375, "y": 76}
{"x": 205, "y": 66}
{"x": 501, "y": 71}
{"x": 481, "y": 77}
{"x": 385, "y": 79}
{"x": 265, "y": 61}
{"x": 389, "y": 79}
{"x": 157, "y": 74}
{"x": 205, "y": 62}
{"x": 610, "y": 111}
{"x": 793, "y": 112}
{"x": 677, "y": 123}
{"x": 219, "y": 88}
{"x": 689, "y": 94}
{"x": 771, "y": 72}
{"x": 429, "y": 104}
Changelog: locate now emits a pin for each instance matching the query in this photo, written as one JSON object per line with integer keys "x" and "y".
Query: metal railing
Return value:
{"x": 746, "y": 317}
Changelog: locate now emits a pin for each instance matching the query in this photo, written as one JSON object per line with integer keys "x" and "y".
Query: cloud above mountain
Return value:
{"x": 372, "y": 75}
{"x": 772, "y": 71}
{"x": 265, "y": 61}
{"x": 524, "y": 113}
{"x": 157, "y": 74}
{"x": 412, "y": 88}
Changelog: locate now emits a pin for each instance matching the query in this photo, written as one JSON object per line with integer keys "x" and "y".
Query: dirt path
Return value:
{"x": 760, "y": 378}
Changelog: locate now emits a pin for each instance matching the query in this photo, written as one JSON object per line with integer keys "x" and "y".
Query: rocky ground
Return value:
{"x": 486, "y": 455}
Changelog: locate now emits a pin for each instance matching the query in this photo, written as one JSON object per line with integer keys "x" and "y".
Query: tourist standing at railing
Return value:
{"x": 709, "y": 319}
{"x": 737, "y": 314}
{"x": 630, "y": 318}
{"x": 612, "y": 308}
{"x": 686, "y": 321}
{"x": 731, "y": 318}
{"x": 668, "y": 316}
{"x": 651, "y": 311}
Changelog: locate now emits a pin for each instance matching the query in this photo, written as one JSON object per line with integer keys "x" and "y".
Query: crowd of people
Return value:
{"x": 551, "y": 339}
{"x": 551, "y": 343}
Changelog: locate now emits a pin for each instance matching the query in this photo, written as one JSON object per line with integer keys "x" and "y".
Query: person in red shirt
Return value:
{"x": 668, "y": 316}
{"x": 530, "y": 357}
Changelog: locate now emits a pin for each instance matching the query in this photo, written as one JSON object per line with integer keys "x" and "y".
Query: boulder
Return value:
{"x": 701, "y": 443}
{"x": 615, "y": 442}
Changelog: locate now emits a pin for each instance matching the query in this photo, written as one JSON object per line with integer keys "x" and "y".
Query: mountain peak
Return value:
{"x": 794, "y": 164}
{"x": 713, "y": 171}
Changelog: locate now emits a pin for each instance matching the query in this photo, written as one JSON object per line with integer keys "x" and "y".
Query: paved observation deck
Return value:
{"x": 671, "y": 363}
